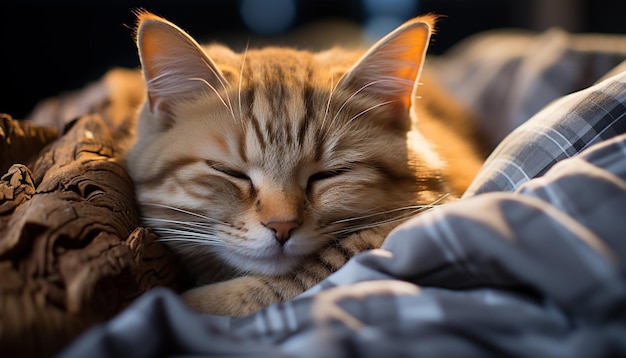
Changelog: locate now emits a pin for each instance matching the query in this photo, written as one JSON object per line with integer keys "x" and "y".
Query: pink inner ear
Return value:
{"x": 393, "y": 65}
{"x": 175, "y": 66}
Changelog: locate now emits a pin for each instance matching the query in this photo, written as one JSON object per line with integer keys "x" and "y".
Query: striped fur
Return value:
{"x": 265, "y": 171}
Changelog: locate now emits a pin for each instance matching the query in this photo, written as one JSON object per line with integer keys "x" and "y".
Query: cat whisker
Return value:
{"x": 412, "y": 210}
{"x": 191, "y": 213}
{"x": 243, "y": 63}
{"x": 212, "y": 88}
{"x": 330, "y": 97}
{"x": 183, "y": 239}
{"x": 393, "y": 219}
{"x": 186, "y": 231}
{"x": 401, "y": 81}
{"x": 415, "y": 208}
{"x": 187, "y": 246}
{"x": 346, "y": 126}
{"x": 367, "y": 110}
{"x": 395, "y": 80}
{"x": 356, "y": 228}
{"x": 221, "y": 98}
{"x": 178, "y": 222}
{"x": 224, "y": 87}
{"x": 354, "y": 95}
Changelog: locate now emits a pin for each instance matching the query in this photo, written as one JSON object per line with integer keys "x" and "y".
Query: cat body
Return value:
{"x": 265, "y": 171}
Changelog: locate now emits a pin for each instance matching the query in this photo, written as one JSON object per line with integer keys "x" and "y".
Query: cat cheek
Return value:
{"x": 331, "y": 194}
{"x": 318, "y": 190}
{"x": 305, "y": 243}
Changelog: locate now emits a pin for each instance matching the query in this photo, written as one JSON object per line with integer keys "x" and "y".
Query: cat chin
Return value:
{"x": 266, "y": 257}
{"x": 274, "y": 265}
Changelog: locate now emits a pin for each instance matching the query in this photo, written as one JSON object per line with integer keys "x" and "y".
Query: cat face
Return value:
{"x": 249, "y": 162}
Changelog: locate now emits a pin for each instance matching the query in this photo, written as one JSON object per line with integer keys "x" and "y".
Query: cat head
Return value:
{"x": 257, "y": 159}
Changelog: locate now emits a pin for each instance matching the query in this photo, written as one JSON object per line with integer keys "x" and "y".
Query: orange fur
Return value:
{"x": 267, "y": 170}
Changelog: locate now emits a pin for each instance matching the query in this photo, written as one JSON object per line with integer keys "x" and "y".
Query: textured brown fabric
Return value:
{"x": 72, "y": 252}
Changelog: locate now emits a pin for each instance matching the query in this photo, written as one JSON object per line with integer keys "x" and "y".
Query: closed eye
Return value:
{"x": 325, "y": 175}
{"x": 228, "y": 171}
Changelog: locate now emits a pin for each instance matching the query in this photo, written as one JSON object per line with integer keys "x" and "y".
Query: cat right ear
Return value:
{"x": 174, "y": 65}
{"x": 389, "y": 71}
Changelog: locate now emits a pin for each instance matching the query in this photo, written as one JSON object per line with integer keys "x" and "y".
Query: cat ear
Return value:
{"x": 390, "y": 69}
{"x": 174, "y": 65}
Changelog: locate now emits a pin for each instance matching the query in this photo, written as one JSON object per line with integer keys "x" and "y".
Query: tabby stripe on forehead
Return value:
{"x": 241, "y": 140}
{"x": 287, "y": 129}
{"x": 304, "y": 88}
{"x": 257, "y": 130}
{"x": 269, "y": 130}
{"x": 274, "y": 90}
{"x": 281, "y": 103}
{"x": 308, "y": 93}
{"x": 248, "y": 98}
{"x": 320, "y": 137}
{"x": 308, "y": 113}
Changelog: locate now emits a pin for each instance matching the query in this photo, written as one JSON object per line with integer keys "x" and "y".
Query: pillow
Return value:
{"x": 561, "y": 130}
{"x": 505, "y": 77}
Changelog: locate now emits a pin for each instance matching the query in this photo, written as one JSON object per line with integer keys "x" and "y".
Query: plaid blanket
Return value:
{"x": 531, "y": 262}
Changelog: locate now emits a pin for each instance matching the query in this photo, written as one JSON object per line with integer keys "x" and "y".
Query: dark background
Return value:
{"x": 47, "y": 47}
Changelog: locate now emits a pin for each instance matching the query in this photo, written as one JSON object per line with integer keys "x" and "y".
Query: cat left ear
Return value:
{"x": 174, "y": 65}
{"x": 391, "y": 68}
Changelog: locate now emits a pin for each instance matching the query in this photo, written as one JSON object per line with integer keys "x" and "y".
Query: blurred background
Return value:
{"x": 48, "y": 47}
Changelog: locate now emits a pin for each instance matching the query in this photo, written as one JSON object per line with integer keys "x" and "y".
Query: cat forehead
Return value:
{"x": 223, "y": 54}
{"x": 282, "y": 61}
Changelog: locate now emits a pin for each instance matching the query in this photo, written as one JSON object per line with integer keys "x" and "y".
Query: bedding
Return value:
{"x": 530, "y": 262}
{"x": 537, "y": 271}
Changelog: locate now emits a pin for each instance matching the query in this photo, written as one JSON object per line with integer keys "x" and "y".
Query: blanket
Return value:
{"x": 72, "y": 250}
{"x": 530, "y": 262}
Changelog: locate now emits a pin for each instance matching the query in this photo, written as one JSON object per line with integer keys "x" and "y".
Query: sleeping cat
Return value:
{"x": 265, "y": 171}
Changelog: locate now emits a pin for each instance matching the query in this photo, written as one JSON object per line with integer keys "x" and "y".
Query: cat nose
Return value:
{"x": 282, "y": 229}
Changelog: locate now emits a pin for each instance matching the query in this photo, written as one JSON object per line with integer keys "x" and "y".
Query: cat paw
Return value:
{"x": 234, "y": 298}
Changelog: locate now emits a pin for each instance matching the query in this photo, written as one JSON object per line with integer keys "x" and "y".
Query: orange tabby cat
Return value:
{"x": 266, "y": 171}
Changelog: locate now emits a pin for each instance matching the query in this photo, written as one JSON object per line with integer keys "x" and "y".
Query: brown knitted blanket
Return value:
{"x": 72, "y": 251}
